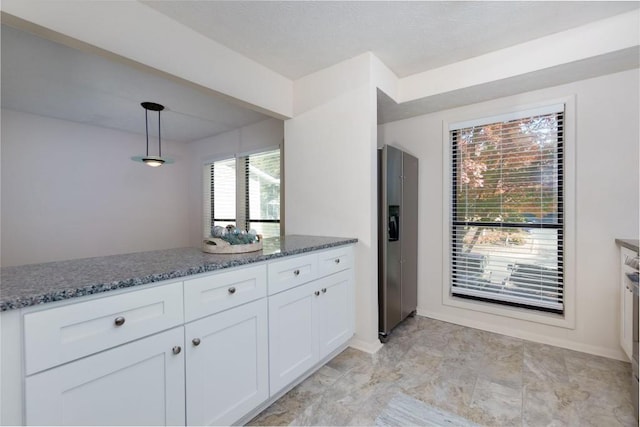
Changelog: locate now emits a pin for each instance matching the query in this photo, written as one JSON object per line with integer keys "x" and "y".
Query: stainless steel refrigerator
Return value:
{"x": 397, "y": 238}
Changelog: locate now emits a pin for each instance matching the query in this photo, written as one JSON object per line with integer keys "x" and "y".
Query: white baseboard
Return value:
{"x": 517, "y": 333}
{"x": 366, "y": 346}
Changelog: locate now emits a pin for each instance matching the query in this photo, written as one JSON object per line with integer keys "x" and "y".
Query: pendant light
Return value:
{"x": 153, "y": 161}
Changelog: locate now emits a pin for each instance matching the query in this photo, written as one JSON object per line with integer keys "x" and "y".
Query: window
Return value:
{"x": 507, "y": 218}
{"x": 263, "y": 176}
{"x": 245, "y": 192}
{"x": 222, "y": 203}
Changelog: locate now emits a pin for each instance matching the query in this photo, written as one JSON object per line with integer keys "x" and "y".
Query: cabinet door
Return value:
{"x": 227, "y": 366}
{"x": 335, "y": 310}
{"x": 293, "y": 334}
{"x": 141, "y": 383}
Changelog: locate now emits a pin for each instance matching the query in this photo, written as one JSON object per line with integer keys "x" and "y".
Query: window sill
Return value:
{"x": 551, "y": 319}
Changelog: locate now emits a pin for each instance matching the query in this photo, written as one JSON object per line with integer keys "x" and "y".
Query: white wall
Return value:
{"x": 256, "y": 137}
{"x": 330, "y": 162}
{"x": 607, "y": 181}
{"x": 71, "y": 191}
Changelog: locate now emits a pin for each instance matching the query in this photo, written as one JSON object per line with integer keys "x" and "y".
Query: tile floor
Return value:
{"x": 487, "y": 378}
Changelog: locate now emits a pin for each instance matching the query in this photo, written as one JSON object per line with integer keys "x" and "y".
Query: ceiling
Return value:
{"x": 43, "y": 77}
{"x": 296, "y": 38}
{"x": 49, "y": 79}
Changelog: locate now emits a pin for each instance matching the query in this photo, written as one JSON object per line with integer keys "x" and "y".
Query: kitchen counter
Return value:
{"x": 628, "y": 243}
{"x": 33, "y": 284}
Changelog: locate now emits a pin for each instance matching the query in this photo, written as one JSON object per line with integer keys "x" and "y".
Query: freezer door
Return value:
{"x": 391, "y": 232}
{"x": 409, "y": 234}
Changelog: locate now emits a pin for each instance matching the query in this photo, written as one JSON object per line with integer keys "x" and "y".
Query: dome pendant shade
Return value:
{"x": 153, "y": 161}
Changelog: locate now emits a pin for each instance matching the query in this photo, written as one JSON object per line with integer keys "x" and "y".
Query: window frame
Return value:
{"x": 479, "y": 113}
{"x": 242, "y": 191}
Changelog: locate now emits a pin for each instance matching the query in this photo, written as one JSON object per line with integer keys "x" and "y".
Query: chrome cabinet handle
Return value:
{"x": 119, "y": 321}
{"x": 296, "y": 272}
{"x": 232, "y": 290}
{"x": 337, "y": 260}
{"x": 176, "y": 350}
{"x": 317, "y": 293}
{"x": 196, "y": 341}
{"x": 324, "y": 290}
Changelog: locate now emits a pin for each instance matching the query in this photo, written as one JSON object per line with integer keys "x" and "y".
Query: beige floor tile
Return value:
{"x": 487, "y": 378}
{"x": 495, "y": 403}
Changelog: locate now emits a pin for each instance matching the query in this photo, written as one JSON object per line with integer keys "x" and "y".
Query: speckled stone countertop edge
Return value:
{"x": 628, "y": 243}
{"x": 52, "y": 294}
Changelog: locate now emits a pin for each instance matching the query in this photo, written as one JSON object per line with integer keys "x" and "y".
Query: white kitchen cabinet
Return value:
{"x": 306, "y": 324}
{"x": 289, "y": 272}
{"x": 227, "y": 367}
{"x": 62, "y": 334}
{"x": 335, "y": 311}
{"x": 212, "y": 349}
{"x": 293, "y": 334}
{"x": 140, "y": 383}
{"x": 626, "y": 302}
{"x": 212, "y": 293}
{"x": 335, "y": 260}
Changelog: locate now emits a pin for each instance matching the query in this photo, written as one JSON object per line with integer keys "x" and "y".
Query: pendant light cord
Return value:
{"x": 146, "y": 127}
{"x": 159, "y": 138}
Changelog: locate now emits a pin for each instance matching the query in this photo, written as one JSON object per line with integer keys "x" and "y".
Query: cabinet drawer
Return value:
{"x": 291, "y": 272}
{"x": 62, "y": 334}
{"x": 220, "y": 291}
{"x": 335, "y": 260}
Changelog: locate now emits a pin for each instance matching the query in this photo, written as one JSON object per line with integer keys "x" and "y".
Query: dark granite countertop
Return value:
{"x": 628, "y": 243}
{"x": 33, "y": 284}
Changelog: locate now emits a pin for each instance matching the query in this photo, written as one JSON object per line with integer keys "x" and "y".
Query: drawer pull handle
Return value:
{"x": 337, "y": 260}
{"x": 232, "y": 290}
{"x": 317, "y": 293}
{"x": 119, "y": 321}
{"x": 176, "y": 350}
{"x": 296, "y": 272}
{"x": 324, "y": 290}
{"x": 196, "y": 341}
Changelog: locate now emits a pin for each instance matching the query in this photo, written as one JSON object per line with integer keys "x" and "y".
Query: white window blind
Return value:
{"x": 220, "y": 194}
{"x": 507, "y": 221}
{"x": 262, "y": 173}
